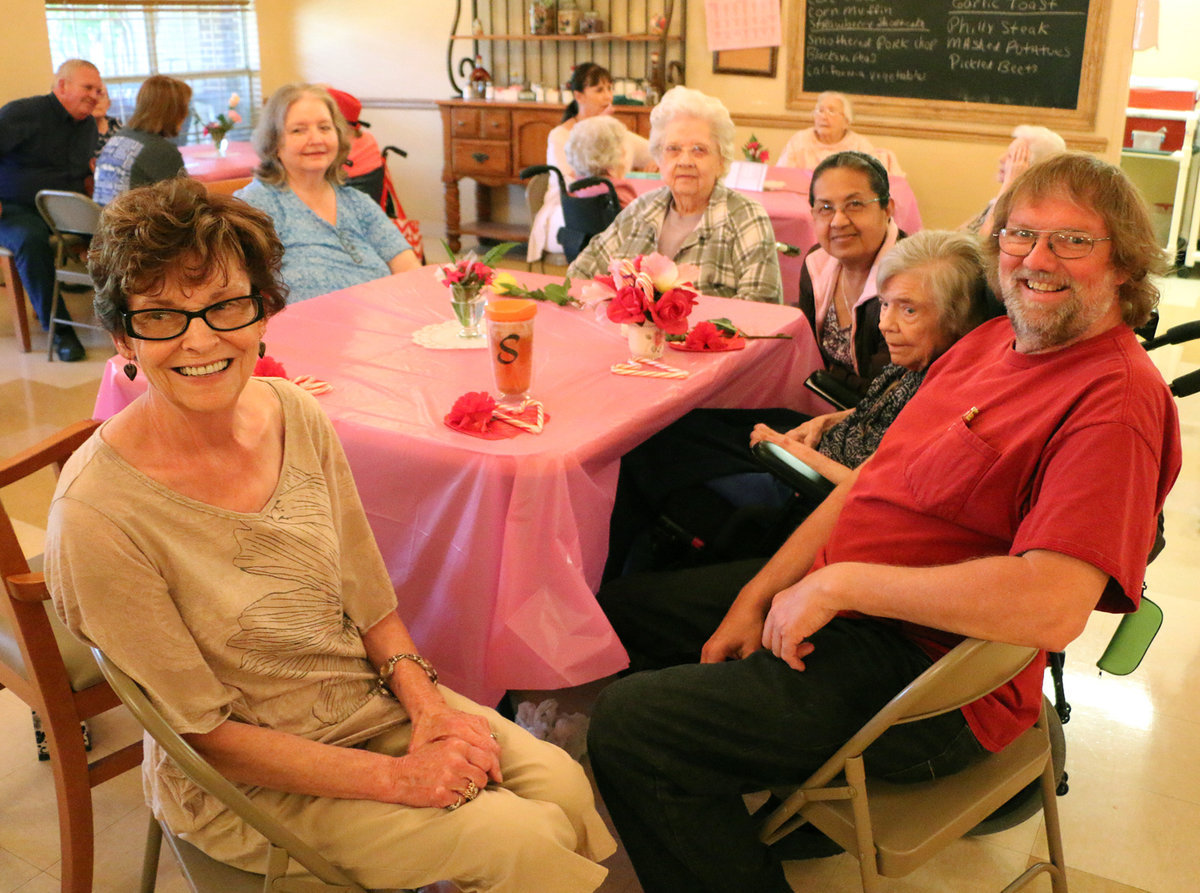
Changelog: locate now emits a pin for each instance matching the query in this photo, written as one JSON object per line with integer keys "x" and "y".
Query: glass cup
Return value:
{"x": 510, "y": 339}
{"x": 468, "y": 308}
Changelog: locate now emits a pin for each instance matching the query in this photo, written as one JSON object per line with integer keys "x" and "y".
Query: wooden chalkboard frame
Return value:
{"x": 894, "y": 112}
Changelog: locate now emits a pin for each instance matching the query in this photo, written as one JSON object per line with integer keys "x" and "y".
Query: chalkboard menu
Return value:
{"x": 998, "y": 52}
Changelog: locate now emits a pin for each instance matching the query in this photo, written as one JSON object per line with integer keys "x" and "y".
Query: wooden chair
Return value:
{"x": 203, "y": 873}
{"x": 893, "y": 828}
{"x": 16, "y": 293}
{"x": 55, "y": 674}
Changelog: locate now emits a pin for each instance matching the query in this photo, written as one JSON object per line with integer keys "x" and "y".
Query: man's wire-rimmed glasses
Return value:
{"x": 1064, "y": 243}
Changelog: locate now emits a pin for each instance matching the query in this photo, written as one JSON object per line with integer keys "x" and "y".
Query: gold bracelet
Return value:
{"x": 389, "y": 667}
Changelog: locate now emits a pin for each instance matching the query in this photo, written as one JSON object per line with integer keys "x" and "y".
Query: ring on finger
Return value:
{"x": 462, "y": 798}
{"x": 472, "y": 790}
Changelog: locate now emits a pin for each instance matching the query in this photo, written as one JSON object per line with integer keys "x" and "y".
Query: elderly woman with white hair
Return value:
{"x": 694, "y": 218}
{"x": 830, "y": 134}
{"x": 1030, "y": 143}
{"x": 596, "y": 148}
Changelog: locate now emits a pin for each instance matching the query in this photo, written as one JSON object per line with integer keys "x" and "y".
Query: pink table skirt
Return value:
{"x": 203, "y": 163}
{"x": 791, "y": 216}
{"x": 496, "y": 547}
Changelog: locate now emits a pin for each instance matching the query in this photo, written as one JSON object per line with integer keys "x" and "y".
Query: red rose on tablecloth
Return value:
{"x": 627, "y": 305}
{"x": 670, "y": 312}
{"x": 270, "y": 367}
{"x": 472, "y": 411}
{"x": 705, "y": 336}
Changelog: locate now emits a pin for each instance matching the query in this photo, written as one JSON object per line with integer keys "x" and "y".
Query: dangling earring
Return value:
{"x": 262, "y": 349}
{"x": 130, "y": 371}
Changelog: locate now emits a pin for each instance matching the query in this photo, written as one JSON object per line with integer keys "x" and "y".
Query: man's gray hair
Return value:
{"x": 67, "y": 70}
{"x": 683, "y": 102}
{"x": 596, "y": 147}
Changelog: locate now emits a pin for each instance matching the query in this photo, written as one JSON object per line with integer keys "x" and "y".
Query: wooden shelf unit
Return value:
{"x": 630, "y": 48}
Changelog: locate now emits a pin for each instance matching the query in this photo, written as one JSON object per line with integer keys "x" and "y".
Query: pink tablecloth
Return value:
{"x": 203, "y": 162}
{"x": 495, "y": 547}
{"x": 791, "y": 216}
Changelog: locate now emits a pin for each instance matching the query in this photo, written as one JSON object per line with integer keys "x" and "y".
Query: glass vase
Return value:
{"x": 646, "y": 341}
{"x": 468, "y": 304}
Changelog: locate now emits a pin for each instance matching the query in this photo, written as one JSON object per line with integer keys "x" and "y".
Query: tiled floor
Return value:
{"x": 1131, "y": 819}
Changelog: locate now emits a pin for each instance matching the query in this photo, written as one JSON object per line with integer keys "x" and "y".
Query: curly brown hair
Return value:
{"x": 175, "y": 230}
{"x": 1109, "y": 192}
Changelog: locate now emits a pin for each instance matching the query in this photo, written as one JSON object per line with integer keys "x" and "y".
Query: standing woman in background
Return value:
{"x": 333, "y": 235}
{"x": 143, "y": 153}
{"x": 592, "y": 91}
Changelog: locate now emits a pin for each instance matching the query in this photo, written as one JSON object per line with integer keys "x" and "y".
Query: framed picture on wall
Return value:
{"x": 756, "y": 62}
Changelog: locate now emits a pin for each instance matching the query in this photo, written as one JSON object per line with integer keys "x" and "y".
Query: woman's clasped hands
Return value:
{"x": 452, "y": 757}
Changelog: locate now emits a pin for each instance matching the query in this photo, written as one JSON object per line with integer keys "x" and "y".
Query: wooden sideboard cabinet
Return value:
{"x": 491, "y": 143}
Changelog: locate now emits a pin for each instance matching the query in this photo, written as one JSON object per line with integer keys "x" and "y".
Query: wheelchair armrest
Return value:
{"x": 1186, "y": 331}
{"x": 831, "y": 390}
{"x": 534, "y": 169}
{"x": 1132, "y": 639}
{"x": 794, "y": 472}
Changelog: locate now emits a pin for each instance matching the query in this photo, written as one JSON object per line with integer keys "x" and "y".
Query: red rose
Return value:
{"x": 705, "y": 336}
{"x": 270, "y": 367}
{"x": 472, "y": 411}
{"x": 627, "y": 306}
{"x": 670, "y": 312}
{"x": 764, "y": 155}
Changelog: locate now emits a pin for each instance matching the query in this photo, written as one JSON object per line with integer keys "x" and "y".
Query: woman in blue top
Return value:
{"x": 333, "y": 236}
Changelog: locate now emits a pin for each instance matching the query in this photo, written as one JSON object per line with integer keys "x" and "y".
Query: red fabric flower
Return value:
{"x": 270, "y": 367}
{"x": 670, "y": 312}
{"x": 628, "y": 305}
{"x": 705, "y": 336}
{"x": 472, "y": 411}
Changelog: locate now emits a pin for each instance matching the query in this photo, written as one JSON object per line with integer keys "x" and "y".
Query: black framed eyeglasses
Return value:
{"x": 161, "y": 324}
{"x": 1064, "y": 243}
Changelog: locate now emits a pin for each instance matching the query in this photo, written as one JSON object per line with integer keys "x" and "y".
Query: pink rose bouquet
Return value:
{"x": 218, "y": 129}
{"x": 470, "y": 274}
{"x": 650, "y": 288}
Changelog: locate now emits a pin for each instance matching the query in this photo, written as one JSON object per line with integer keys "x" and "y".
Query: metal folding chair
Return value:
{"x": 72, "y": 218}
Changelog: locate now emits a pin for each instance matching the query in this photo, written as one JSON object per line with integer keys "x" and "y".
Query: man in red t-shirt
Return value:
{"x": 1017, "y": 492}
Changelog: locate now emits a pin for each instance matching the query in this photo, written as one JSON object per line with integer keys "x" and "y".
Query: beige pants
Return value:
{"x": 539, "y": 832}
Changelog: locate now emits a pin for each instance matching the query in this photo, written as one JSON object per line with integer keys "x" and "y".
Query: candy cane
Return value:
{"x": 649, "y": 369}
{"x": 514, "y": 419}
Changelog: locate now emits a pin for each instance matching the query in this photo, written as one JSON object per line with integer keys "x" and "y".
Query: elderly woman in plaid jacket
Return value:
{"x": 694, "y": 218}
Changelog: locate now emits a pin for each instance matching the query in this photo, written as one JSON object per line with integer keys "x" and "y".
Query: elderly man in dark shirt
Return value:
{"x": 46, "y": 142}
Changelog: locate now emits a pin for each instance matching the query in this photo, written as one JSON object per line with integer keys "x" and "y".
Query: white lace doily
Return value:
{"x": 444, "y": 336}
